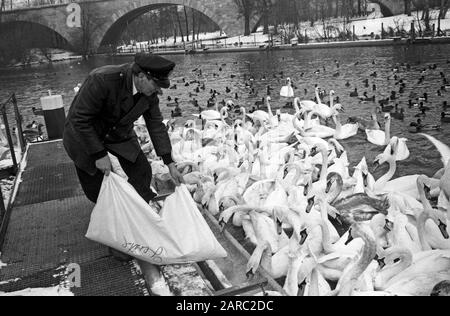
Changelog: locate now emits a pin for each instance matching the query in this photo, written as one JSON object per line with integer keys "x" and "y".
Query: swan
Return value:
{"x": 344, "y": 131}
{"x": 260, "y": 115}
{"x": 433, "y": 234}
{"x": 287, "y": 91}
{"x": 324, "y": 110}
{"x": 413, "y": 275}
{"x": 210, "y": 115}
{"x": 406, "y": 185}
{"x": 402, "y": 149}
{"x": 378, "y": 137}
{"x": 444, "y": 185}
{"x": 267, "y": 237}
{"x": 316, "y": 131}
{"x": 356, "y": 268}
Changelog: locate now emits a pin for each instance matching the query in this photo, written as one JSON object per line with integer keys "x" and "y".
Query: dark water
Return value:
{"x": 32, "y": 83}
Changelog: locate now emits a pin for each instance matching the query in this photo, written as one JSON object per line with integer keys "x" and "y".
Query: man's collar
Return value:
{"x": 135, "y": 91}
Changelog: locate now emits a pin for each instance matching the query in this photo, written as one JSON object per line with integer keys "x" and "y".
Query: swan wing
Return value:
{"x": 376, "y": 137}
{"x": 444, "y": 150}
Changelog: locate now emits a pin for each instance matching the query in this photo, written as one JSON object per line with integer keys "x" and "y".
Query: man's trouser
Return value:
{"x": 139, "y": 176}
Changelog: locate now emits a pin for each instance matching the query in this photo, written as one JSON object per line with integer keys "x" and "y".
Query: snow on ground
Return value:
{"x": 2, "y": 265}
{"x": 364, "y": 27}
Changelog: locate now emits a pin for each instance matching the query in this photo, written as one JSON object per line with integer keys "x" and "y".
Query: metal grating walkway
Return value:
{"x": 46, "y": 230}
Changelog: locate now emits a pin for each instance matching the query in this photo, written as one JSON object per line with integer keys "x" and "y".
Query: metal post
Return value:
{"x": 354, "y": 35}
{"x": 413, "y": 30}
{"x": 382, "y": 30}
{"x": 2, "y": 207}
{"x": 21, "y": 138}
{"x": 434, "y": 30}
{"x": 10, "y": 142}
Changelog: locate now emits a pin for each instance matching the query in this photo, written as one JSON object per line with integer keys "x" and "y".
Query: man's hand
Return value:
{"x": 104, "y": 165}
{"x": 176, "y": 175}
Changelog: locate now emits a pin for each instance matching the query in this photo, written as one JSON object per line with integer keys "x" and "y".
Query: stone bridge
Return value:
{"x": 110, "y": 17}
{"x": 393, "y": 7}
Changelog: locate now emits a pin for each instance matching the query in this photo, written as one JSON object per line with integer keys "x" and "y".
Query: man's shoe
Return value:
{"x": 120, "y": 256}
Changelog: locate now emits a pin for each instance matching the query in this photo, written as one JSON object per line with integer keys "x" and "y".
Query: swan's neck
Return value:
{"x": 324, "y": 171}
{"x": 355, "y": 270}
{"x": 308, "y": 119}
{"x": 335, "y": 194}
{"x": 421, "y": 230}
{"x": 388, "y": 176}
{"x": 318, "y": 97}
{"x": 338, "y": 124}
{"x": 388, "y": 132}
{"x": 269, "y": 109}
{"x": 328, "y": 247}
{"x": 296, "y": 106}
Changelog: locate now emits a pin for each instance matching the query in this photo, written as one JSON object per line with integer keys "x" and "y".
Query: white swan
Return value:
{"x": 344, "y": 131}
{"x": 413, "y": 275}
{"x": 287, "y": 91}
{"x": 210, "y": 115}
{"x": 406, "y": 185}
{"x": 378, "y": 137}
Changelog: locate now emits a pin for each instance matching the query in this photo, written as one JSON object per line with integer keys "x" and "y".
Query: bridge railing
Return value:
{"x": 11, "y": 5}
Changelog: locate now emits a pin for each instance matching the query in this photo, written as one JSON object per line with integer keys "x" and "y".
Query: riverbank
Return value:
{"x": 38, "y": 57}
{"x": 323, "y": 45}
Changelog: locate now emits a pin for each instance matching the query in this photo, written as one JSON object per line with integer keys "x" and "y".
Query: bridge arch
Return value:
{"x": 17, "y": 37}
{"x": 215, "y": 10}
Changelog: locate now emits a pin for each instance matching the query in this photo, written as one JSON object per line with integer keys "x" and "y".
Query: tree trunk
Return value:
{"x": 179, "y": 25}
{"x": 444, "y": 8}
{"x": 247, "y": 25}
{"x": 408, "y": 7}
{"x": 187, "y": 24}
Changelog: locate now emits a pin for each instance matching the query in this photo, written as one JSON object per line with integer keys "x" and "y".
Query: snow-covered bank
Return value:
{"x": 365, "y": 28}
{"x": 37, "y": 57}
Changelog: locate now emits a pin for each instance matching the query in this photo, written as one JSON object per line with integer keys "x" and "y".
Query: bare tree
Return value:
{"x": 246, "y": 9}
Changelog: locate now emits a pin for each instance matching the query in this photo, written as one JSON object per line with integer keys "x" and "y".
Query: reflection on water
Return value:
{"x": 306, "y": 67}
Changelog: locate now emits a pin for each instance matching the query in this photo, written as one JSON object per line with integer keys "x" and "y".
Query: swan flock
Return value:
{"x": 284, "y": 179}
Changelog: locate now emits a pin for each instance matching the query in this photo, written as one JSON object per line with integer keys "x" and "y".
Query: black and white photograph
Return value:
{"x": 224, "y": 153}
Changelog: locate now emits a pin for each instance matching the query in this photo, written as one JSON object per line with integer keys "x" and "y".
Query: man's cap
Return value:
{"x": 156, "y": 66}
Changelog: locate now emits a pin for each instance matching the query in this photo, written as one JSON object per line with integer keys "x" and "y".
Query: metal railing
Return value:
{"x": 5, "y": 209}
{"x": 12, "y": 100}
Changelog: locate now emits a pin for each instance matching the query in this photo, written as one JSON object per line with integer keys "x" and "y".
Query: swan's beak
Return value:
{"x": 286, "y": 172}
{"x": 249, "y": 274}
{"x": 389, "y": 226}
{"x": 376, "y": 164}
{"x": 443, "y": 229}
{"x": 303, "y": 236}
{"x": 306, "y": 190}
{"x": 365, "y": 179}
{"x": 329, "y": 185}
{"x": 310, "y": 204}
{"x": 279, "y": 226}
{"x": 427, "y": 190}
{"x": 350, "y": 238}
{"x": 381, "y": 263}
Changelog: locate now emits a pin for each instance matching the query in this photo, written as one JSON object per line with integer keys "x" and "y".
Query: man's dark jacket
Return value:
{"x": 102, "y": 118}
